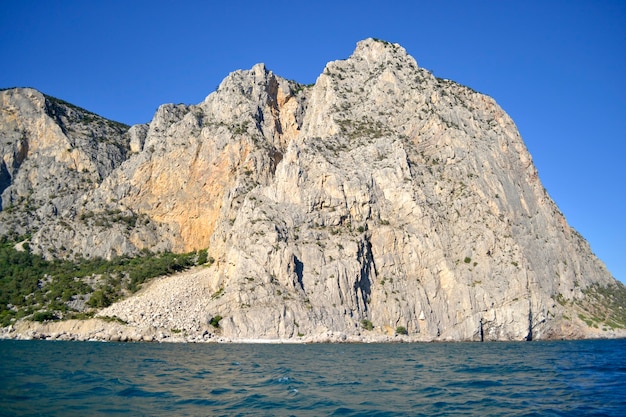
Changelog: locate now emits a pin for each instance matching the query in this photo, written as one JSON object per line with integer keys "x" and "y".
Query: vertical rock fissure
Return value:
{"x": 529, "y": 335}
{"x": 299, "y": 270}
{"x": 272, "y": 101}
{"x": 363, "y": 284}
{"x": 481, "y": 330}
{"x": 5, "y": 179}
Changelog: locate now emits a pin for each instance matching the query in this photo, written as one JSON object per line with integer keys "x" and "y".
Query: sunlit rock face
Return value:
{"x": 380, "y": 197}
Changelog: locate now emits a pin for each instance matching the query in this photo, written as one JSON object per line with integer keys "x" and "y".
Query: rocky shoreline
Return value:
{"x": 107, "y": 330}
{"x": 177, "y": 309}
{"x": 96, "y": 329}
{"x": 101, "y": 330}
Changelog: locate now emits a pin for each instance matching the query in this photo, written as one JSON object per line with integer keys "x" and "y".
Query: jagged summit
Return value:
{"x": 379, "y": 198}
{"x": 379, "y": 51}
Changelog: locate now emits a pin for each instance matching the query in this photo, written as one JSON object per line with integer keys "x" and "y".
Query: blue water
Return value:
{"x": 518, "y": 379}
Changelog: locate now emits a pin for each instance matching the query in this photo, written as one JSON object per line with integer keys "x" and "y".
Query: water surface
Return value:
{"x": 517, "y": 379}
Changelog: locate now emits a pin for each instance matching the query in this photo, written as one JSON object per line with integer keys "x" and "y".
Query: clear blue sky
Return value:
{"x": 557, "y": 67}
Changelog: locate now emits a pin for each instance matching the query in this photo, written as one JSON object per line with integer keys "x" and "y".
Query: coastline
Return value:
{"x": 101, "y": 330}
{"x": 104, "y": 330}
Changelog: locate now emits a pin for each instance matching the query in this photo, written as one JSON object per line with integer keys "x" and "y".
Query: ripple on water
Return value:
{"x": 138, "y": 392}
{"x": 220, "y": 391}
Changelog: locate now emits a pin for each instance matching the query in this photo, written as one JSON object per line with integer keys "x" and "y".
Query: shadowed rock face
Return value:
{"x": 380, "y": 193}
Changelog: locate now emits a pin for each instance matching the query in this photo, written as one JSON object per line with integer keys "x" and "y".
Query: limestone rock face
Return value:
{"x": 379, "y": 197}
{"x": 52, "y": 153}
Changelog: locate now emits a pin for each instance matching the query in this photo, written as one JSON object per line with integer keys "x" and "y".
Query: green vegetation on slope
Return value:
{"x": 45, "y": 290}
{"x": 606, "y": 306}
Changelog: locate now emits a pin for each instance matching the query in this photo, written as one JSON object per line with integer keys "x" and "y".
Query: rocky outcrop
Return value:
{"x": 53, "y": 153}
{"x": 379, "y": 199}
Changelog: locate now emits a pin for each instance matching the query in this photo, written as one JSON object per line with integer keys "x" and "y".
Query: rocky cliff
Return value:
{"x": 52, "y": 154}
{"x": 379, "y": 200}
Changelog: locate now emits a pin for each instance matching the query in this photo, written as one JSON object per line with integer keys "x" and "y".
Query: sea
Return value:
{"x": 560, "y": 378}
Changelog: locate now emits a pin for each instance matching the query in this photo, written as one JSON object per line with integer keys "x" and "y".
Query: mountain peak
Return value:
{"x": 374, "y": 50}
